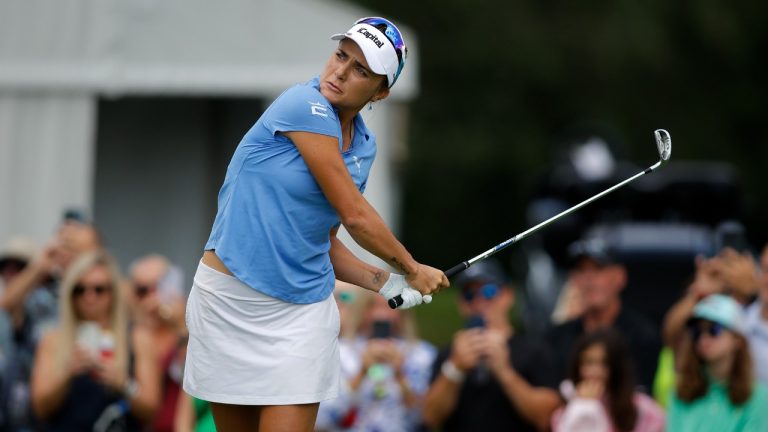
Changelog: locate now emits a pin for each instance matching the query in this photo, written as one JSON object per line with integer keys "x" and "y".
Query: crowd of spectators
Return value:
{"x": 600, "y": 366}
{"x": 84, "y": 347}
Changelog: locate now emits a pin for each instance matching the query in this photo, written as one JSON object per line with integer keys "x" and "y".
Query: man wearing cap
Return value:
{"x": 14, "y": 257}
{"x": 34, "y": 288}
{"x": 490, "y": 378}
{"x": 598, "y": 278}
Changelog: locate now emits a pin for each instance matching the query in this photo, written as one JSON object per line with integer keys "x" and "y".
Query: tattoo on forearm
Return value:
{"x": 397, "y": 264}
{"x": 377, "y": 278}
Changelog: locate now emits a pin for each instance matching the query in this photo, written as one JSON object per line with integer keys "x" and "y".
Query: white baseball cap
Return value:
{"x": 19, "y": 249}
{"x": 384, "y": 50}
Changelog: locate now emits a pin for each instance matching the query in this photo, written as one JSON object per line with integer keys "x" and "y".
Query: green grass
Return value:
{"x": 439, "y": 320}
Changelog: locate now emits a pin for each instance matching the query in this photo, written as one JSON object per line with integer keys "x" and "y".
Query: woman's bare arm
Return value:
{"x": 322, "y": 156}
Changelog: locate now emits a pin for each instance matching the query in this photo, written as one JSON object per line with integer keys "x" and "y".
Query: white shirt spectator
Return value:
{"x": 757, "y": 334}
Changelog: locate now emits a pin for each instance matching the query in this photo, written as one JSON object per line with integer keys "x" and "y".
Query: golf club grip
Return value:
{"x": 458, "y": 268}
{"x": 397, "y": 300}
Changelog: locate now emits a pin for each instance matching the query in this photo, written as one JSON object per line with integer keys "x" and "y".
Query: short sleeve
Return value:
{"x": 442, "y": 356}
{"x": 301, "y": 109}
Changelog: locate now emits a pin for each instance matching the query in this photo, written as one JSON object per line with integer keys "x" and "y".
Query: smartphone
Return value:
{"x": 89, "y": 336}
{"x": 381, "y": 329}
{"x": 733, "y": 235}
{"x": 474, "y": 321}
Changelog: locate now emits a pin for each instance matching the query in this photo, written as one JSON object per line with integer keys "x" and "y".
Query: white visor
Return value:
{"x": 377, "y": 49}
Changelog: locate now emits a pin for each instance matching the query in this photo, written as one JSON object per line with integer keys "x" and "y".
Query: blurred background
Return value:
{"x": 507, "y": 113}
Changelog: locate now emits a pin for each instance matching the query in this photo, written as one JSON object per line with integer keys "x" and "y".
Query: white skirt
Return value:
{"x": 247, "y": 348}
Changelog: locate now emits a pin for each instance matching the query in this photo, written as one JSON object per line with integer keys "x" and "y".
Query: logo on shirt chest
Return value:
{"x": 358, "y": 163}
{"x": 319, "y": 109}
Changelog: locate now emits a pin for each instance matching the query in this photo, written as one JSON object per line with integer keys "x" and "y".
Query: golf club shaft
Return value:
{"x": 458, "y": 268}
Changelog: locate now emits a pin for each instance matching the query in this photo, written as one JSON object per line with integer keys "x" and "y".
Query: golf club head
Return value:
{"x": 664, "y": 144}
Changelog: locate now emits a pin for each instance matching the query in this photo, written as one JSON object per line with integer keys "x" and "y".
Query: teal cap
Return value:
{"x": 723, "y": 310}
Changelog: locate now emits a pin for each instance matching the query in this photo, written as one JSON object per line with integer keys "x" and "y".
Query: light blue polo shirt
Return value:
{"x": 272, "y": 228}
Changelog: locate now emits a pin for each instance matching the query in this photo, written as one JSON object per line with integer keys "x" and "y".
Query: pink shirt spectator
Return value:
{"x": 591, "y": 415}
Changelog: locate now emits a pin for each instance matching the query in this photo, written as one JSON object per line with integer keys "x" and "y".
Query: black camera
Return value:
{"x": 381, "y": 329}
{"x": 731, "y": 234}
{"x": 475, "y": 321}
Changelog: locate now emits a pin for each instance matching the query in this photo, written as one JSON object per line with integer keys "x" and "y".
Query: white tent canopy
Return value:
{"x": 58, "y": 59}
{"x": 238, "y": 47}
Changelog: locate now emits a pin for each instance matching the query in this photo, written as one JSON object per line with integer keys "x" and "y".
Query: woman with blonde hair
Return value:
{"x": 92, "y": 371}
{"x": 716, "y": 389}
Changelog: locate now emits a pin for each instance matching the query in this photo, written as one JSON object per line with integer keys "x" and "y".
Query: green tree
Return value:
{"x": 503, "y": 81}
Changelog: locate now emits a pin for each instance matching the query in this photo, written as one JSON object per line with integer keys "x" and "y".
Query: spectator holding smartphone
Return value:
{"x": 93, "y": 371}
{"x": 33, "y": 291}
{"x": 716, "y": 389}
{"x": 732, "y": 273}
{"x": 490, "y": 378}
{"x": 15, "y": 357}
{"x": 30, "y": 300}
{"x": 385, "y": 367}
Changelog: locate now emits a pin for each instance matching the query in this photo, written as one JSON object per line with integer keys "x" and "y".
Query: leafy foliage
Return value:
{"x": 503, "y": 82}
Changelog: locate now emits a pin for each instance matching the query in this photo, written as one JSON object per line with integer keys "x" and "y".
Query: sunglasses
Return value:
{"x": 487, "y": 291}
{"x": 12, "y": 264}
{"x": 80, "y": 289}
{"x": 394, "y": 37}
{"x": 711, "y": 328}
{"x": 142, "y": 291}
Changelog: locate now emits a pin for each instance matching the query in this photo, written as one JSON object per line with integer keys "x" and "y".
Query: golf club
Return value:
{"x": 664, "y": 146}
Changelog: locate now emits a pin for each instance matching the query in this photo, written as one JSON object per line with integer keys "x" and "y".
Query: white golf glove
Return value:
{"x": 396, "y": 285}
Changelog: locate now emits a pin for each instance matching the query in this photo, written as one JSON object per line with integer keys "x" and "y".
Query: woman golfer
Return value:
{"x": 262, "y": 321}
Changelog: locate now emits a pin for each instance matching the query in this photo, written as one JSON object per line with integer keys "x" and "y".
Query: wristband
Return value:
{"x": 453, "y": 373}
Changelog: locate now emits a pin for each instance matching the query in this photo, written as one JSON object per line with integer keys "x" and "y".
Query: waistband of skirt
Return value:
{"x": 213, "y": 280}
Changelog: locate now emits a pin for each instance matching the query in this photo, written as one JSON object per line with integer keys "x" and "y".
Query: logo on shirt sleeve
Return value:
{"x": 319, "y": 109}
